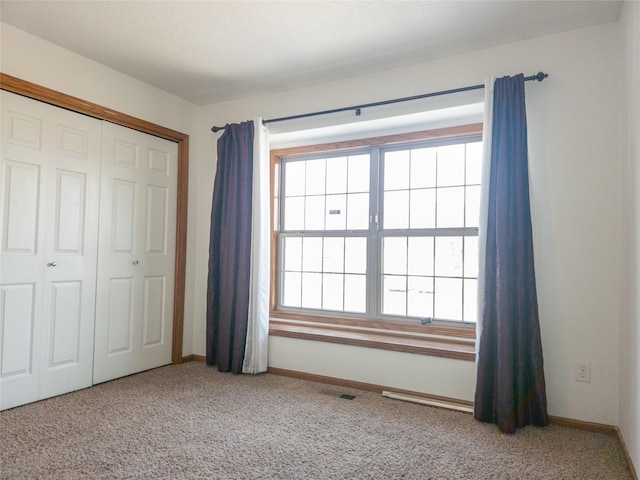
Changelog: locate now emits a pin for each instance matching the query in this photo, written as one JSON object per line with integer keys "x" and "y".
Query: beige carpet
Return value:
{"x": 191, "y": 422}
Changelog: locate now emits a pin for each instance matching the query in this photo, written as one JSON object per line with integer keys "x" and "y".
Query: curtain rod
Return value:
{"x": 540, "y": 76}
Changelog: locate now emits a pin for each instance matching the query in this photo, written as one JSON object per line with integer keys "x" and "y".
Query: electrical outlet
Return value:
{"x": 583, "y": 372}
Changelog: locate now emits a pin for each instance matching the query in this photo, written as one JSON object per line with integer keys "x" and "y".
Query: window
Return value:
{"x": 380, "y": 229}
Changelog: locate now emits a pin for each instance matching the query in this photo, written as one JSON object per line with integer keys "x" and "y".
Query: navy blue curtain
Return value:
{"x": 510, "y": 387}
{"x": 230, "y": 250}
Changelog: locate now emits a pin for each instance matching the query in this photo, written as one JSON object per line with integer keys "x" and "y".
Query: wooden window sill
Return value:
{"x": 410, "y": 342}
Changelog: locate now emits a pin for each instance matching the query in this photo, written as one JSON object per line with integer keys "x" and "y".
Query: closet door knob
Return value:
{"x": 52, "y": 264}
{"x": 135, "y": 262}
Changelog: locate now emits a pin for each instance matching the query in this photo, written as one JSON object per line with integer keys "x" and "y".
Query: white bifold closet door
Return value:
{"x": 136, "y": 260}
{"x": 87, "y": 259}
{"x": 50, "y": 177}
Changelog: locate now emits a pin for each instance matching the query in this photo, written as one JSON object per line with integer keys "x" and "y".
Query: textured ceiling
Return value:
{"x": 212, "y": 51}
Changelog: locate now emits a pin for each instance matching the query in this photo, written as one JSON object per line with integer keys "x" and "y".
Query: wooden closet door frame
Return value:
{"x": 52, "y": 97}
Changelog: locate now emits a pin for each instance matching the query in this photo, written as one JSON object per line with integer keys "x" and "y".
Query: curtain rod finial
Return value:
{"x": 216, "y": 129}
{"x": 540, "y": 76}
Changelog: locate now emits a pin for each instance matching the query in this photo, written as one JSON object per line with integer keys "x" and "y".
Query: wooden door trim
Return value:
{"x": 53, "y": 97}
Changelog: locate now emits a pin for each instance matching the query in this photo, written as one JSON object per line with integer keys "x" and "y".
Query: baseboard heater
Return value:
{"x": 427, "y": 401}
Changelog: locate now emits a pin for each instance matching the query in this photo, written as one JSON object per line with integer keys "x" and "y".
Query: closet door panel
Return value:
{"x": 71, "y": 206}
{"x": 120, "y": 315}
{"x": 18, "y": 316}
{"x": 23, "y": 184}
{"x": 70, "y": 253}
{"x": 18, "y": 361}
{"x": 123, "y": 216}
{"x": 159, "y": 245}
{"x": 157, "y": 220}
{"x": 21, "y": 207}
{"x": 136, "y": 260}
{"x": 154, "y": 314}
{"x": 64, "y": 347}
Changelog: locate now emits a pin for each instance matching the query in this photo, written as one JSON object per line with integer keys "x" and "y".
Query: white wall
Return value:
{"x": 420, "y": 373}
{"x": 29, "y": 58}
{"x": 630, "y": 325}
{"x": 575, "y": 155}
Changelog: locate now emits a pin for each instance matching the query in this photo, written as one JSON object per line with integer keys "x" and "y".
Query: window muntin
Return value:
{"x": 386, "y": 232}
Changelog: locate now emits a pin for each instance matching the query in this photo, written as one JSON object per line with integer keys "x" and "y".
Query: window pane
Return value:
{"x": 471, "y": 257}
{"x": 470, "y": 300}
{"x": 394, "y": 295}
{"x": 474, "y": 163}
{"x": 332, "y": 291}
{"x": 448, "y": 262}
{"x": 292, "y": 287}
{"x": 358, "y": 211}
{"x": 336, "y": 212}
{"x": 294, "y": 178}
{"x": 448, "y": 301}
{"x": 396, "y": 170}
{"x": 315, "y": 177}
{"x": 358, "y": 174}
{"x": 450, "y": 208}
{"x": 420, "y": 300}
{"x": 337, "y": 175}
{"x": 355, "y": 293}
{"x": 314, "y": 213}
{"x": 293, "y": 254}
{"x": 311, "y": 290}
{"x": 333, "y": 260}
{"x": 423, "y": 167}
{"x": 396, "y": 209}
{"x": 394, "y": 252}
{"x": 472, "y": 208}
{"x": 420, "y": 257}
{"x": 294, "y": 213}
{"x": 355, "y": 258}
{"x": 451, "y": 165}
{"x": 312, "y": 254}
{"x": 423, "y": 209}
